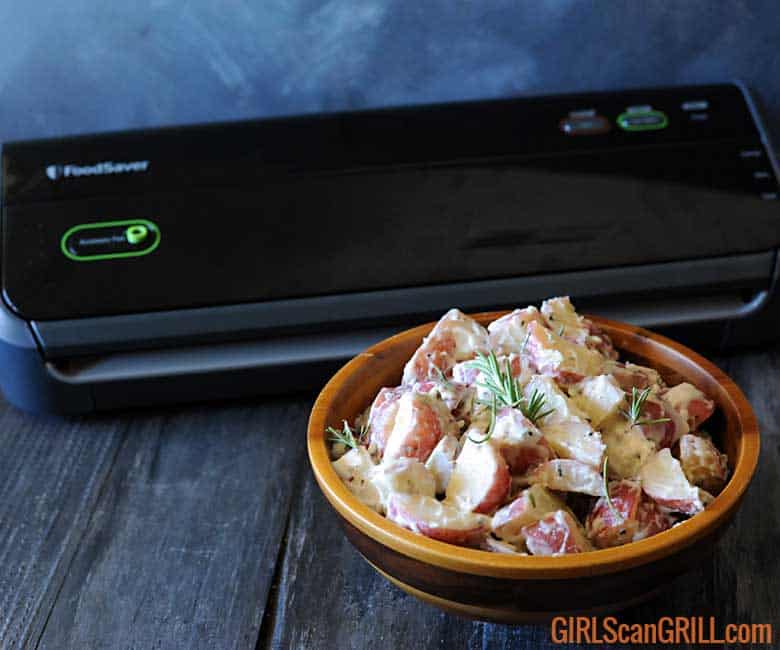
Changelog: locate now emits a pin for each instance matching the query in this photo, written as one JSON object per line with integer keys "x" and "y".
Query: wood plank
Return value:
{"x": 177, "y": 551}
{"x": 183, "y": 543}
{"x": 51, "y": 472}
{"x": 327, "y": 596}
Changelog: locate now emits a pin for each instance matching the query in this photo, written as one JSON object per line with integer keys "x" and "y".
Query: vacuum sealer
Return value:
{"x": 234, "y": 259}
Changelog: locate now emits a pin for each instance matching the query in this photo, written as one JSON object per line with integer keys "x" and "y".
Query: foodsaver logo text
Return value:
{"x": 105, "y": 168}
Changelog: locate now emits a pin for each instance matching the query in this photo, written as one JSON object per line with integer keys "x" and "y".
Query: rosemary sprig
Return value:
{"x": 346, "y": 437}
{"x": 498, "y": 381}
{"x": 505, "y": 391}
{"x": 606, "y": 491}
{"x": 634, "y": 413}
{"x": 532, "y": 408}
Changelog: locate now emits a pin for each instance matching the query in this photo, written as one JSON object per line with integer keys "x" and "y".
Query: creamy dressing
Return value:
{"x": 561, "y": 318}
{"x": 576, "y": 439}
{"x": 598, "y": 397}
{"x": 355, "y": 469}
{"x": 665, "y": 482}
{"x": 441, "y": 461}
{"x": 402, "y": 476}
{"x": 554, "y": 397}
{"x": 451, "y": 455}
{"x": 508, "y": 333}
{"x": 530, "y": 506}
{"x": 627, "y": 450}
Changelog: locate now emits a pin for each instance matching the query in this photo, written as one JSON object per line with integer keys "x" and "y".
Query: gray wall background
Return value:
{"x": 81, "y": 66}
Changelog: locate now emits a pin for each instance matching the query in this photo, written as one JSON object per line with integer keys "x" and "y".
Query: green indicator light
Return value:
{"x": 642, "y": 121}
{"x": 136, "y": 234}
{"x": 110, "y": 240}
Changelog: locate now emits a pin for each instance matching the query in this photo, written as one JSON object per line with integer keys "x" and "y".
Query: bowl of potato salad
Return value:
{"x": 521, "y": 465}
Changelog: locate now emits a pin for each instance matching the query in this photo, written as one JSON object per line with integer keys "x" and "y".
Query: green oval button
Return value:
{"x": 110, "y": 240}
{"x": 136, "y": 234}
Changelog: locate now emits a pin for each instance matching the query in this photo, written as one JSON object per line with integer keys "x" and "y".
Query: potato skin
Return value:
{"x": 437, "y": 520}
{"x": 607, "y": 527}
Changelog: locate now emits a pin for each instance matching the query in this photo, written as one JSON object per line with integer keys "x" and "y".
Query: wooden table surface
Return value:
{"x": 201, "y": 527}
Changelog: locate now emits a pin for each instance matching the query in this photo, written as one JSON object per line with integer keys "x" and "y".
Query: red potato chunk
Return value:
{"x": 381, "y": 417}
{"x": 456, "y": 337}
{"x": 421, "y": 421}
{"x": 663, "y": 481}
{"x": 627, "y": 449}
{"x": 702, "y": 463}
{"x": 465, "y": 373}
{"x": 508, "y": 333}
{"x": 575, "y": 439}
{"x": 355, "y": 469}
{"x": 651, "y": 520}
{"x": 481, "y": 480}
{"x": 557, "y": 534}
{"x": 679, "y": 424}
{"x": 693, "y": 405}
{"x": 468, "y": 407}
{"x": 561, "y": 316}
{"x": 567, "y": 476}
{"x": 452, "y": 393}
{"x": 559, "y": 358}
{"x": 554, "y": 398}
{"x": 438, "y": 520}
{"x": 521, "y": 444}
{"x": 663, "y": 434}
{"x": 607, "y": 527}
{"x": 630, "y": 375}
{"x": 441, "y": 462}
{"x": 402, "y": 476}
{"x": 531, "y": 505}
{"x": 598, "y": 397}
{"x": 600, "y": 341}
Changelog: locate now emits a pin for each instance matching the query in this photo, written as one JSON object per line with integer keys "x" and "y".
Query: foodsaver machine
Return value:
{"x": 226, "y": 260}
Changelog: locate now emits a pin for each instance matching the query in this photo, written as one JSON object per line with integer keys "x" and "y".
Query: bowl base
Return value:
{"x": 507, "y": 615}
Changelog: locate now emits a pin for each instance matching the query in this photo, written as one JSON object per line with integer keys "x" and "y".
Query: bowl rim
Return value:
{"x": 485, "y": 563}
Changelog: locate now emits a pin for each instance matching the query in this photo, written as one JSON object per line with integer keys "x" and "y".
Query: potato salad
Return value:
{"x": 530, "y": 437}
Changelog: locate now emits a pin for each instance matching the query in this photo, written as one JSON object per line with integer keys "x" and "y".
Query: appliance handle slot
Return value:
{"x": 67, "y": 339}
{"x": 291, "y": 351}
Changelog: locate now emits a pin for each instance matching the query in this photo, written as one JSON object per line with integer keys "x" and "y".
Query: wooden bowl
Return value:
{"x": 514, "y": 589}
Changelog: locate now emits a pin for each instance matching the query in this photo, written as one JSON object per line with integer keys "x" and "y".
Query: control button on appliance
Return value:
{"x": 107, "y": 240}
{"x": 136, "y": 234}
{"x": 578, "y": 123}
{"x": 696, "y": 105}
{"x": 769, "y": 196}
{"x": 700, "y": 117}
{"x": 751, "y": 153}
{"x": 644, "y": 120}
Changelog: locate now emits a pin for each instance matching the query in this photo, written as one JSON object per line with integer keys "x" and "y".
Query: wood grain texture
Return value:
{"x": 739, "y": 583}
{"x": 181, "y": 549}
{"x": 163, "y": 530}
{"x": 51, "y": 473}
{"x": 363, "y": 610}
